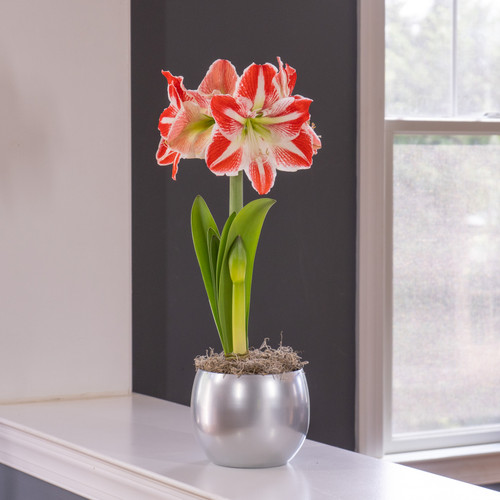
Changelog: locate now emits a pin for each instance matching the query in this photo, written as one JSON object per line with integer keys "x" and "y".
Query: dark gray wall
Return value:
{"x": 304, "y": 282}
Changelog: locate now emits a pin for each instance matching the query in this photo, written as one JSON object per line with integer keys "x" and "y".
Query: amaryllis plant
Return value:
{"x": 251, "y": 123}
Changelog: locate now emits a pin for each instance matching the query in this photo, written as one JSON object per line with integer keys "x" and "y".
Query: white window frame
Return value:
{"x": 371, "y": 302}
{"x": 477, "y": 464}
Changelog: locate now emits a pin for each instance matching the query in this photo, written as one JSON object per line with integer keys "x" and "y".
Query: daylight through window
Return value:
{"x": 443, "y": 149}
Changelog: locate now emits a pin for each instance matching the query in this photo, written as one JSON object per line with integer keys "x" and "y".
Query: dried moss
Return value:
{"x": 262, "y": 361}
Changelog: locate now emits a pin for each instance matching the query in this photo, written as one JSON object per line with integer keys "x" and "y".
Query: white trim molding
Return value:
{"x": 371, "y": 223}
{"x": 84, "y": 472}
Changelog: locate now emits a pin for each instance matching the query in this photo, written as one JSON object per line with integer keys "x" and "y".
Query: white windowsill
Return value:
{"x": 135, "y": 446}
{"x": 478, "y": 464}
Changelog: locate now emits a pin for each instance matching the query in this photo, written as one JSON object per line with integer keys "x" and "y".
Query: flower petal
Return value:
{"x": 162, "y": 153}
{"x": 286, "y": 117}
{"x": 177, "y": 93}
{"x": 191, "y": 131}
{"x": 166, "y": 156}
{"x": 257, "y": 84}
{"x": 295, "y": 154}
{"x": 220, "y": 78}
{"x": 224, "y": 156}
{"x": 262, "y": 174}
{"x": 200, "y": 99}
{"x": 230, "y": 114}
{"x": 167, "y": 119}
{"x": 316, "y": 141}
{"x": 285, "y": 79}
{"x": 175, "y": 166}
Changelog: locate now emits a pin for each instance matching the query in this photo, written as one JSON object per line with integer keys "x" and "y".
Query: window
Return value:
{"x": 429, "y": 225}
{"x": 445, "y": 284}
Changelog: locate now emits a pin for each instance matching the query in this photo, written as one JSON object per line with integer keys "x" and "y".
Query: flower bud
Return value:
{"x": 237, "y": 261}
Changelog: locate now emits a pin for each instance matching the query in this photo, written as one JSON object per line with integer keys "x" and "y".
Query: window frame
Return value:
{"x": 374, "y": 300}
{"x": 371, "y": 303}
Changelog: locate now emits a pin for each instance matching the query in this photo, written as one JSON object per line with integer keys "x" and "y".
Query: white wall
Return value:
{"x": 65, "y": 264}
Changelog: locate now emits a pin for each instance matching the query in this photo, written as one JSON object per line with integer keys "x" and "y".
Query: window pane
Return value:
{"x": 478, "y": 57}
{"x": 418, "y": 58}
{"x": 446, "y": 282}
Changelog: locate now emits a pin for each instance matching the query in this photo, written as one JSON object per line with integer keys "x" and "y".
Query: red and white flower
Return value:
{"x": 262, "y": 128}
{"x": 186, "y": 125}
{"x": 253, "y": 123}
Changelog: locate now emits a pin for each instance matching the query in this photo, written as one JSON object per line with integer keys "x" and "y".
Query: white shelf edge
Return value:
{"x": 84, "y": 473}
{"x": 54, "y": 398}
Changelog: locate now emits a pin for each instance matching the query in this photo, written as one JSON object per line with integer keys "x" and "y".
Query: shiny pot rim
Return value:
{"x": 263, "y": 375}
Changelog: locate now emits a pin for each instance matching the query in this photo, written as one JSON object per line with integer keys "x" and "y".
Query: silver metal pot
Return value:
{"x": 250, "y": 421}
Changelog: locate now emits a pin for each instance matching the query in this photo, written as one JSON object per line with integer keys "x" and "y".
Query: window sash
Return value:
{"x": 439, "y": 438}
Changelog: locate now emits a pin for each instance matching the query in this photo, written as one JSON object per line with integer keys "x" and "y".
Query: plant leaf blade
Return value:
{"x": 203, "y": 230}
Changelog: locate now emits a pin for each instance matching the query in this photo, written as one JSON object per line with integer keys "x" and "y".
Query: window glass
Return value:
{"x": 418, "y": 58}
{"x": 442, "y": 58}
{"x": 446, "y": 282}
{"x": 478, "y": 57}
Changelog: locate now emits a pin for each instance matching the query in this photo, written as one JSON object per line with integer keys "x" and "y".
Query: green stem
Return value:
{"x": 236, "y": 192}
{"x": 240, "y": 347}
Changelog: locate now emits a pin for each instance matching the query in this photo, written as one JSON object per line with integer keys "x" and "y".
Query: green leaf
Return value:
{"x": 203, "y": 230}
{"x": 225, "y": 334}
{"x": 248, "y": 225}
{"x": 222, "y": 246}
{"x": 213, "y": 250}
